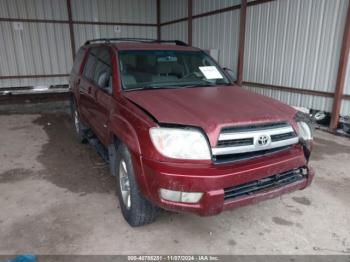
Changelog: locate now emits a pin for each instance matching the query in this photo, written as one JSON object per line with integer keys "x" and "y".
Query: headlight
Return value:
{"x": 304, "y": 131}
{"x": 180, "y": 143}
{"x": 305, "y": 126}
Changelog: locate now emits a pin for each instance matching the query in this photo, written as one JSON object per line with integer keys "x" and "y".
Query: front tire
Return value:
{"x": 136, "y": 210}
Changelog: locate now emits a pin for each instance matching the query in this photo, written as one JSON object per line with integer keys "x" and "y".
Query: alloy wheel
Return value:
{"x": 76, "y": 121}
{"x": 124, "y": 184}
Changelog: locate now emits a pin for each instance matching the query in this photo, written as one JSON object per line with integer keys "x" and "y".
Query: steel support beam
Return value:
{"x": 159, "y": 37}
{"x": 71, "y": 28}
{"x": 242, "y": 26}
{"x": 339, "y": 89}
{"x": 190, "y": 22}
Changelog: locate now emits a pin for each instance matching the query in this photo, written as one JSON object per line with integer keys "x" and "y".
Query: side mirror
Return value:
{"x": 104, "y": 81}
{"x": 231, "y": 74}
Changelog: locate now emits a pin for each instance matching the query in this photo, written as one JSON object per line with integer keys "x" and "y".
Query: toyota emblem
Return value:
{"x": 263, "y": 140}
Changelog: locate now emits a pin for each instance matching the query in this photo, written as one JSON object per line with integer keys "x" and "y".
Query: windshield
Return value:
{"x": 168, "y": 69}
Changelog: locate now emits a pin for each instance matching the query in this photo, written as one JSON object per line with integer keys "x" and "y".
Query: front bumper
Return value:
{"x": 213, "y": 179}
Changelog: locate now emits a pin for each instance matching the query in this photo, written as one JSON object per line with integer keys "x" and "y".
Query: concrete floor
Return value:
{"x": 57, "y": 197}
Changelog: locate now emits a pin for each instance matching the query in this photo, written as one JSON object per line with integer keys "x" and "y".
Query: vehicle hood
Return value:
{"x": 210, "y": 108}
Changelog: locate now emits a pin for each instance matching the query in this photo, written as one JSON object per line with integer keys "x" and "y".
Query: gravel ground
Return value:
{"x": 57, "y": 197}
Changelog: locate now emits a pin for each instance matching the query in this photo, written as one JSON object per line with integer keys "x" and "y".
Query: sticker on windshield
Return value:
{"x": 210, "y": 72}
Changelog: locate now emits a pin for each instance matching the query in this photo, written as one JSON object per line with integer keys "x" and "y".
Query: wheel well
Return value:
{"x": 112, "y": 151}
{"x": 72, "y": 97}
{"x": 140, "y": 179}
{"x": 72, "y": 104}
{"x": 116, "y": 141}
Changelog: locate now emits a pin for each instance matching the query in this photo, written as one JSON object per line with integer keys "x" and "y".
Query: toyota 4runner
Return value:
{"x": 179, "y": 134}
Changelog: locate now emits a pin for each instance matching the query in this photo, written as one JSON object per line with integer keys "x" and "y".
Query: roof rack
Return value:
{"x": 139, "y": 40}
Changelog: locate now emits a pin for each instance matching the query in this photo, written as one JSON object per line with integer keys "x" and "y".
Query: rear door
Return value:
{"x": 103, "y": 98}
{"x": 87, "y": 90}
{"x": 75, "y": 75}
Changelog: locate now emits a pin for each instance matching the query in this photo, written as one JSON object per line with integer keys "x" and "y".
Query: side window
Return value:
{"x": 90, "y": 64}
{"x": 103, "y": 71}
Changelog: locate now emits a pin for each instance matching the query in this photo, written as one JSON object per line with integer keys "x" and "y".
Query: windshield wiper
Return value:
{"x": 148, "y": 88}
{"x": 197, "y": 85}
{"x": 151, "y": 87}
{"x": 204, "y": 85}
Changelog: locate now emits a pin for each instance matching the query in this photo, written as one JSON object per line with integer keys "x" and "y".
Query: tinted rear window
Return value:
{"x": 90, "y": 64}
{"x": 78, "y": 60}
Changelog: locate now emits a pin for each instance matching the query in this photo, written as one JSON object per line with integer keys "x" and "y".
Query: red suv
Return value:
{"x": 179, "y": 134}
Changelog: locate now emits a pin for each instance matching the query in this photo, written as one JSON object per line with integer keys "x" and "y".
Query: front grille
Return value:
{"x": 236, "y": 142}
{"x": 254, "y": 127}
{"x": 224, "y": 159}
{"x": 274, "y": 181}
{"x": 248, "y": 141}
{"x": 280, "y": 137}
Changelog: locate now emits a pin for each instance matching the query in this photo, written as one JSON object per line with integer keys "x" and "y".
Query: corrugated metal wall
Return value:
{"x": 293, "y": 99}
{"x": 177, "y": 31}
{"x": 40, "y": 48}
{"x": 125, "y": 11}
{"x": 203, "y": 6}
{"x": 45, "y": 48}
{"x": 345, "y": 108}
{"x": 85, "y": 32}
{"x": 172, "y": 10}
{"x": 295, "y": 43}
{"x": 219, "y": 32}
{"x": 34, "y": 9}
{"x": 292, "y": 43}
{"x": 347, "y": 79}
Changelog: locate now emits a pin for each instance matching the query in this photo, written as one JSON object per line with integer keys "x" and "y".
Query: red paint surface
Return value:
{"x": 209, "y": 108}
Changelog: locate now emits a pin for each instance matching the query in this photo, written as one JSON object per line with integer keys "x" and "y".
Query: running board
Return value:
{"x": 100, "y": 149}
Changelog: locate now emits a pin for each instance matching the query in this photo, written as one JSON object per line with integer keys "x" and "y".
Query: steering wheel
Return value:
{"x": 189, "y": 75}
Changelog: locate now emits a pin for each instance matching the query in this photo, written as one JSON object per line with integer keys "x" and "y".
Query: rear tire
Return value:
{"x": 79, "y": 127}
{"x": 136, "y": 210}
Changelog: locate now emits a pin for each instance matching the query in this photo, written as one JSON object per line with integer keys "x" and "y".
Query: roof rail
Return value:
{"x": 139, "y": 40}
